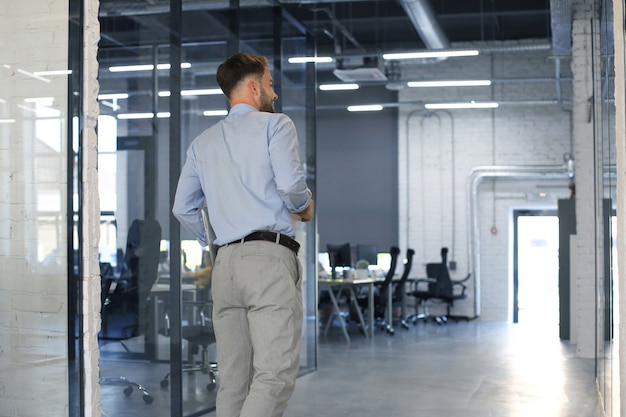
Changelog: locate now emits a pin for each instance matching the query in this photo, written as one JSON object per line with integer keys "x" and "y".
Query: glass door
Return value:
{"x": 157, "y": 93}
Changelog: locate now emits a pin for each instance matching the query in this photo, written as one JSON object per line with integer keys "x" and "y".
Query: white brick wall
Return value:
{"x": 523, "y": 132}
{"x": 520, "y": 134}
{"x": 587, "y": 167}
{"x": 33, "y": 160}
{"x": 33, "y": 296}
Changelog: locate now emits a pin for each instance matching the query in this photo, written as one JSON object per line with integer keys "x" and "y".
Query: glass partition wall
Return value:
{"x": 155, "y": 294}
{"x": 607, "y": 370}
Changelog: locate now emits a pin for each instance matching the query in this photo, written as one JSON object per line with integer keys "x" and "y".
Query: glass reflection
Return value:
{"x": 136, "y": 248}
{"x": 34, "y": 284}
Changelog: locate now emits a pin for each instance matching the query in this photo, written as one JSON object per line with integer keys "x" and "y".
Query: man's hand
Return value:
{"x": 307, "y": 214}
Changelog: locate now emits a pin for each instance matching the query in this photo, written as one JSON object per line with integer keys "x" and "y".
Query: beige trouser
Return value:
{"x": 257, "y": 315}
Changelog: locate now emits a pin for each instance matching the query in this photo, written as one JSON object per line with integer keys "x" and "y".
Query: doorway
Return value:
{"x": 536, "y": 267}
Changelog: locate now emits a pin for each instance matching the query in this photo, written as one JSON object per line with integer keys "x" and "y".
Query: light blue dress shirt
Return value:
{"x": 247, "y": 170}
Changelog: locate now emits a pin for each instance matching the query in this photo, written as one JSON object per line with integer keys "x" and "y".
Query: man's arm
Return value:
{"x": 188, "y": 201}
{"x": 307, "y": 214}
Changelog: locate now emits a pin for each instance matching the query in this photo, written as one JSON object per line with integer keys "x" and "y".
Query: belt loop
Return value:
{"x": 277, "y": 238}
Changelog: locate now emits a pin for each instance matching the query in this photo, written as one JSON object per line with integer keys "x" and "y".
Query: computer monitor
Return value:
{"x": 339, "y": 255}
{"x": 368, "y": 253}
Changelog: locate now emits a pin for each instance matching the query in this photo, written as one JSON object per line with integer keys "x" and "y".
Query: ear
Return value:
{"x": 253, "y": 87}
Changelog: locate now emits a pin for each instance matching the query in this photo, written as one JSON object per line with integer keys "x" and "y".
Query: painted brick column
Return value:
{"x": 583, "y": 279}
{"x": 620, "y": 138}
{"x": 91, "y": 210}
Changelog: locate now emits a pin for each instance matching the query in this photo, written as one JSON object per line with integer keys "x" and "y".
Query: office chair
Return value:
{"x": 107, "y": 278}
{"x": 441, "y": 288}
{"x": 381, "y": 295}
{"x": 132, "y": 291}
{"x": 200, "y": 334}
{"x": 399, "y": 286}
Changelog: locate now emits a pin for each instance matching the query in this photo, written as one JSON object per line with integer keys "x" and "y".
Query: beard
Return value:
{"x": 267, "y": 104}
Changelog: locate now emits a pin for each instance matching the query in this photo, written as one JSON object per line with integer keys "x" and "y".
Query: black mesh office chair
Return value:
{"x": 131, "y": 294}
{"x": 199, "y": 335}
{"x": 399, "y": 287}
{"x": 381, "y": 295}
{"x": 439, "y": 288}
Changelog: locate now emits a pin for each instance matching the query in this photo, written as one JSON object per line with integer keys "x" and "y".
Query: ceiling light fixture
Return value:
{"x": 33, "y": 75}
{"x": 368, "y": 107}
{"x": 431, "y": 54}
{"x": 147, "y": 67}
{"x": 467, "y": 105}
{"x": 339, "y": 87}
{"x": 132, "y": 116}
{"x": 54, "y": 72}
{"x": 5, "y": 121}
{"x": 215, "y": 113}
{"x": 306, "y": 59}
{"x": 450, "y": 83}
{"x": 113, "y": 96}
{"x": 204, "y": 92}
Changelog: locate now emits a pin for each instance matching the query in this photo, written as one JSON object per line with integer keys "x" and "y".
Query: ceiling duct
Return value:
{"x": 423, "y": 18}
{"x": 561, "y": 15}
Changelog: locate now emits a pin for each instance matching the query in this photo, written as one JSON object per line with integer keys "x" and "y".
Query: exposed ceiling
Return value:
{"x": 385, "y": 25}
{"x": 349, "y": 27}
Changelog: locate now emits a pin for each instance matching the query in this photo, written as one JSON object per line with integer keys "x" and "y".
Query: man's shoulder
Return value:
{"x": 208, "y": 132}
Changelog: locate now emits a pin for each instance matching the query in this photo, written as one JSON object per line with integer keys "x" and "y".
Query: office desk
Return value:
{"x": 335, "y": 287}
{"x": 159, "y": 298}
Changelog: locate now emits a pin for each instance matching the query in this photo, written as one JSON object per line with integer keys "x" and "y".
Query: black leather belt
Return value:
{"x": 273, "y": 237}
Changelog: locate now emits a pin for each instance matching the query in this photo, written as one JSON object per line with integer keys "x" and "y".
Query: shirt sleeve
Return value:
{"x": 288, "y": 171}
{"x": 189, "y": 200}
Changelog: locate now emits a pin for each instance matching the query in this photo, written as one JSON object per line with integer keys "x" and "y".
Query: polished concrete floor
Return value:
{"x": 460, "y": 369}
{"x": 468, "y": 369}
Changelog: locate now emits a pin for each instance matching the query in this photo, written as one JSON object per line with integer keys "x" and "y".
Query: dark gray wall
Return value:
{"x": 357, "y": 169}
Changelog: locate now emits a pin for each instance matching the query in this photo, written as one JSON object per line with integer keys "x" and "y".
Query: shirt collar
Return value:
{"x": 241, "y": 108}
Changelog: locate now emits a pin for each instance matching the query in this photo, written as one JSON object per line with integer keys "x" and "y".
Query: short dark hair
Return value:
{"x": 238, "y": 67}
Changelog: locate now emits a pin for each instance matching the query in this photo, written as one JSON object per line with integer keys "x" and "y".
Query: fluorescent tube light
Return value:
{"x": 113, "y": 96}
{"x": 55, "y": 72}
{"x": 168, "y": 66}
{"x": 44, "y": 101}
{"x": 203, "y": 92}
{"x": 215, "y": 113}
{"x": 146, "y": 67}
{"x": 6, "y": 121}
{"x": 33, "y": 75}
{"x": 368, "y": 107}
{"x": 467, "y": 105}
{"x": 305, "y": 59}
{"x": 450, "y": 83}
{"x": 131, "y": 116}
{"x": 339, "y": 87}
{"x": 431, "y": 54}
{"x": 129, "y": 68}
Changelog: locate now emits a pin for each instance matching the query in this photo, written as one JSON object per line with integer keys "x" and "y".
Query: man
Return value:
{"x": 247, "y": 171}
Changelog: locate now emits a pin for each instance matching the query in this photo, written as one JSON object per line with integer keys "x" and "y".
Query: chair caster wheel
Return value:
{"x": 148, "y": 399}
{"x": 165, "y": 383}
{"x": 211, "y": 385}
{"x": 127, "y": 391}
